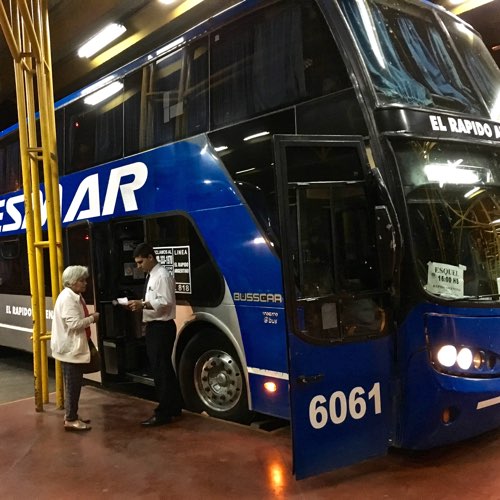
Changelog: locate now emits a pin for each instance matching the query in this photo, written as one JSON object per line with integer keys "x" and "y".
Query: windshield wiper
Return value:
{"x": 492, "y": 296}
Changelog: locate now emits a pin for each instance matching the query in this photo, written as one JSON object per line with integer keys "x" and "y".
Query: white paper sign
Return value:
{"x": 445, "y": 279}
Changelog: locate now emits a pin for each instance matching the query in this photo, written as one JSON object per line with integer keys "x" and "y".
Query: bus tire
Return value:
{"x": 211, "y": 378}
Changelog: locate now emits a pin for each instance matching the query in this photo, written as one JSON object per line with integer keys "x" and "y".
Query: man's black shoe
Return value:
{"x": 154, "y": 421}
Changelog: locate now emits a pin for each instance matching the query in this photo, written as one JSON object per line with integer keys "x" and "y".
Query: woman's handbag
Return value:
{"x": 95, "y": 360}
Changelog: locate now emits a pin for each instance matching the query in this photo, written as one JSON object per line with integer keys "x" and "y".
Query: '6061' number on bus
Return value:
{"x": 339, "y": 407}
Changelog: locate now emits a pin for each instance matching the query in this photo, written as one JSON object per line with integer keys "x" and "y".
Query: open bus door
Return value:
{"x": 79, "y": 251}
{"x": 340, "y": 347}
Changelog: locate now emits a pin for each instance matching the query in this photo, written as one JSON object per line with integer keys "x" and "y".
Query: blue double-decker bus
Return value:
{"x": 322, "y": 178}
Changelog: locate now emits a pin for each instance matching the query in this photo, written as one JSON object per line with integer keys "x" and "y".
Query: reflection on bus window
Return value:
{"x": 167, "y": 99}
{"x": 408, "y": 57}
{"x": 94, "y": 133}
{"x": 454, "y": 207}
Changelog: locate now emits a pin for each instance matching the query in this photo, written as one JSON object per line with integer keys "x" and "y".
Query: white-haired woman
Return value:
{"x": 70, "y": 340}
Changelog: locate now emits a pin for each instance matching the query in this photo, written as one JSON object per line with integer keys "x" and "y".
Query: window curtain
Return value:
{"x": 196, "y": 97}
{"x": 437, "y": 68}
{"x": 392, "y": 79}
{"x": 486, "y": 78}
{"x": 108, "y": 135}
{"x": 231, "y": 93}
{"x": 278, "y": 65}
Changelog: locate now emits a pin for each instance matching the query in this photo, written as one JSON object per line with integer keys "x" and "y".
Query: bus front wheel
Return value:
{"x": 212, "y": 379}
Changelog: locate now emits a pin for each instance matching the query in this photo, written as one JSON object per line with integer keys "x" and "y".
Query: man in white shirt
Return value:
{"x": 158, "y": 312}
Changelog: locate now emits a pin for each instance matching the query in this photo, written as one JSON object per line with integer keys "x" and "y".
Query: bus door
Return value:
{"x": 79, "y": 251}
{"x": 334, "y": 243}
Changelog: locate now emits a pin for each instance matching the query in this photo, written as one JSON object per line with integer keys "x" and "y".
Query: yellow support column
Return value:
{"x": 27, "y": 36}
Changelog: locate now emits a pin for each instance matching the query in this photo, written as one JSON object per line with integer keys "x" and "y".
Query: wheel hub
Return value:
{"x": 218, "y": 380}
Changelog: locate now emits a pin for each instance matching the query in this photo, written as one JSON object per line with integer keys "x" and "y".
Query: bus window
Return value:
{"x": 94, "y": 133}
{"x": 196, "y": 90}
{"x": 78, "y": 254}
{"x": 243, "y": 69}
{"x": 167, "y": 99}
{"x": 424, "y": 70}
{"x": 332, "y": 242}
{"x": 14, "y": 277}
{"x": 251, "y": 164}
{"x": 60, "y": 138}
{"x": 180, "y": 248}
{"x": 10, "y": 165}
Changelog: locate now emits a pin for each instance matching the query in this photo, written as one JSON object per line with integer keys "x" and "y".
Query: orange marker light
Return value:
{"x": 270, "y": 387}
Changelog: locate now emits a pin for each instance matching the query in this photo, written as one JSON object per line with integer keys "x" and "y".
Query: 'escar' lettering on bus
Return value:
{"x": 86, "y": 202}
{"x": 14, "y": 213}
{"x": 88, "y": 188}
{"x": 140, "y": 172}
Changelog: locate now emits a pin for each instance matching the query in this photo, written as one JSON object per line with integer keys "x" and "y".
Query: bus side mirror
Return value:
{"x": 386, "y": 243}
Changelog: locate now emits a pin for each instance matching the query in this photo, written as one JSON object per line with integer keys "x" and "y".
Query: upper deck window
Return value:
{"x": 410, "y": 57}
{"x": 166, "y": 100}
{"x": 481, "y": 66}
{"x": 275, "y": 57}
{"x": 94, "y": 132}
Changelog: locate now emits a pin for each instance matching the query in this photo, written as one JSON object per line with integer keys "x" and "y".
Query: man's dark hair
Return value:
{"x": 144, "y": 250}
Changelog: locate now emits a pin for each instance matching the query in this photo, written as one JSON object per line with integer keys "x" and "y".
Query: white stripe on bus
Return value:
{"x": 488, "y": 402}
{"x": 20, "y": 328}
{"x": 268, "y": 373}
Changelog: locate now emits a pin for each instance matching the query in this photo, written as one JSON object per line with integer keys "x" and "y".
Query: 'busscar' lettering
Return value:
{"x": 257, "y": 297}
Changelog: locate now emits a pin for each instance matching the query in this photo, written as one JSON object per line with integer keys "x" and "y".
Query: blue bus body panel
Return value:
{"x": 426, "y": 391}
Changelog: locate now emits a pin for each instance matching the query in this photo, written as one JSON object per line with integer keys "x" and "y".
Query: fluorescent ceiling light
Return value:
{"x": 467, "y": 5}
{"x": 103, "y": 94}
{"x": 101, "y": 40}
{"x": 254, "y": 136}
{"x": 220, "y": 148}
{"x": 167, "y": 2}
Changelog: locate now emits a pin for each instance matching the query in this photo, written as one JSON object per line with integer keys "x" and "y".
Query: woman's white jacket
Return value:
{"x": 68, "y": 339}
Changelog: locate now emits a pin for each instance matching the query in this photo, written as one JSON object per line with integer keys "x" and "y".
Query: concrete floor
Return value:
{"x": 201, "y": 458}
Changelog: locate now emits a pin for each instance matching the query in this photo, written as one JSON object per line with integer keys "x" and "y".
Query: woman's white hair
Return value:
{"x": 74, "y": 273}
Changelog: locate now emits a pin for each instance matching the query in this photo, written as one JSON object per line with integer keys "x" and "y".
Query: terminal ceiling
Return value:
{"x": 148, "y": 23}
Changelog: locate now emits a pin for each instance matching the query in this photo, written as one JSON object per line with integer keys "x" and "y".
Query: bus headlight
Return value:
{"x": 465, "y": 361}
{"x": 464, "y": 358}
{"x": 447, "y": 355}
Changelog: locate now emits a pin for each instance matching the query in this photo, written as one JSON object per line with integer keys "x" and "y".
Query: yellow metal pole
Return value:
{"x": 30, "y": 231}
{"x": 55, "y": 247}
{"x": 33, "y": 152}
{"x": 29, "y": 27}
{"x": 9, "y": 35}
{"x": 47, "y": 154}
{"x": 27, "y": 35}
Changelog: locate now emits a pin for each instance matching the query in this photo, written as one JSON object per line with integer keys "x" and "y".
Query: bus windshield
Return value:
{"x": 413, "y": 59}
{"x": 453, "y": 200}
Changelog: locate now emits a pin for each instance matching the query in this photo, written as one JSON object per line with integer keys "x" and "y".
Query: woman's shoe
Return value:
{"x": 76, "y": 425}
